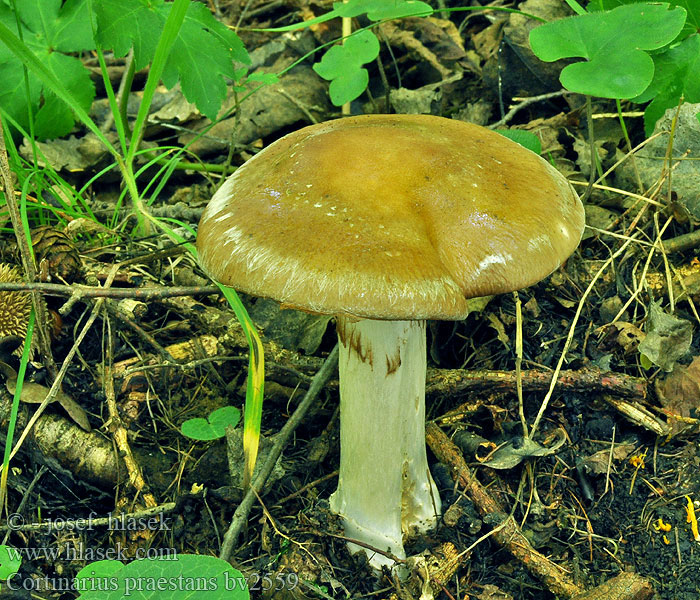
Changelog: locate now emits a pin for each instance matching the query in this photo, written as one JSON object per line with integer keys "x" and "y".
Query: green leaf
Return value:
{"x": 55, "y": 117}
{"x": 613, "y": 43}
{"x": 214, "y": 427}
{"x": 348, "y": 86}
{"x": 378, "y": 10}
{"x": 675, "y": 75}
{"x": 692, "y": 7}
{"x": 10, "y": 561}
{"x": 202, "y": 54}
{"x": 48, "y": 30}
{"x": 526, "y": 139}
{"x": 342, "y": 65}
{"x": 122, "y": 24}
{"x": 176, "y": 577}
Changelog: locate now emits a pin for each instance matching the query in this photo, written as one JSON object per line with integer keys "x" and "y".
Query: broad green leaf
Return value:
{"x": 378, "y": 10}
{"x": 526, "y": 139}
{"x": 65, "y": 28}
{"x": 48, "y": 29}
{"x": 173, "y": 577}
{"x": 342, "y": 65}
{"x": 692, "y": 8}
{"x": 676, "y": 74}
{"x": 202, "y": 54}
{"x": 613, "y": 43}
{"x": 56, "y": 116}
{"x": 348, "y": 86}
{"x": 200, "y": 61}
{"x": 122, "y": 24}
{"x": 214, "y": 426}
{"x": 10, "y": 561}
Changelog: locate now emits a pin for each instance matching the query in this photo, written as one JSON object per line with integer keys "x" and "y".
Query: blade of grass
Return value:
{"x": 252, "y": 414}
{"x": 15, "y": 410}
{"x": 165, "y": 44}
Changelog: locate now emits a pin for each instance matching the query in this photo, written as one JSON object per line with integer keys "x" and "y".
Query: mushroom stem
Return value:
{"x": 385, "y": 490}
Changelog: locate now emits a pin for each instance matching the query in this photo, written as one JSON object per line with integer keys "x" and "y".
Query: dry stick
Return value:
{"x": 526, "y": 102}
{"x": 590, "y": 379}
{"x": 239, "y": 517}
{"x": 116, "y": 425}
{"x": 86, "y": 291}
{"x": 27, "y": 257}
{"x": 509, "y": 535}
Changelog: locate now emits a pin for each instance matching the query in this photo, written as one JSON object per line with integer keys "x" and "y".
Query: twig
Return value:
{"x": 525, "y": 103}
{"x": 116, "y": 426}
{"x": 509, "y": 536}
{"x": 241, "y": 514}
{"x": 86, "y": 291}
{"x": 591, "y": 379}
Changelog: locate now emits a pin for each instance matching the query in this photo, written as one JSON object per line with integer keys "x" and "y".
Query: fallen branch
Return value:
{"x": 590, "y": 379}
{"x": 626, "y": 586}
{"x": 86, "y": 291}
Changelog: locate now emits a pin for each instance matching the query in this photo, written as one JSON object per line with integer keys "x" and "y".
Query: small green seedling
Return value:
{"x": 10, "y": 562}
{"x": 175, "y": 577}
{"x": 214, "y": 427}
{"x": 342, "y": 65}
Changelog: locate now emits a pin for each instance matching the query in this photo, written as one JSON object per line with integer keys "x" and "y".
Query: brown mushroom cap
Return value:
{"x": 389, "y": 217}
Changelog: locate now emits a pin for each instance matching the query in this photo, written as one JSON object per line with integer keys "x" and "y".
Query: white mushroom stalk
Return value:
{"x": 385, "y": 491}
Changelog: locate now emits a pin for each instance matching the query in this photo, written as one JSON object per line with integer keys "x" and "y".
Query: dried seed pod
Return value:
{"x": 58, "y": 253}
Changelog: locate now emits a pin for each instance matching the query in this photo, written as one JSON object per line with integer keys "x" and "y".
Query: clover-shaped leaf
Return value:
{"x": 614, "y": 44}
{"x": 342, "y": 65}
{"x": 378, "y": 10}
{"x": 10, "y": 561}
{"x": 675, "y": 74}
{"x": 214, "y": 427}
{"x": 692, "y": 7}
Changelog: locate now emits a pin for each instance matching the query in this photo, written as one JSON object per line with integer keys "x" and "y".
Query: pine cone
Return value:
{"x": 58, "y": 254}
{"x": 14, "y": 306}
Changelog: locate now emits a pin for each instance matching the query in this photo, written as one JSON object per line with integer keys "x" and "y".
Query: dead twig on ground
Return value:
{"x": 241, "y": 514}
{"x": 509, "y": 535}
{"x": 86, "y": 291}
{"x": 625, "y": 586}
{"x": 590, "y": 379}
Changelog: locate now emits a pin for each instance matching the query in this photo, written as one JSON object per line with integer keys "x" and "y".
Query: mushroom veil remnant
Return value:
{"x": 385, "y": 221}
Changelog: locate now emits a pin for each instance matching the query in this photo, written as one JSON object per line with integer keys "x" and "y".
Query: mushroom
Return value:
{"x": 385, "y": 221}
